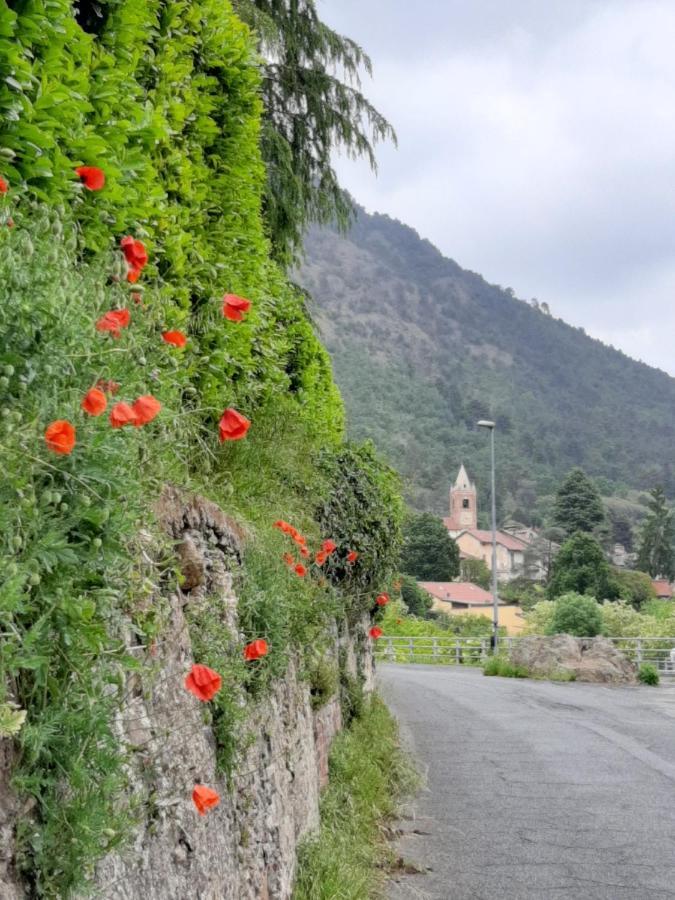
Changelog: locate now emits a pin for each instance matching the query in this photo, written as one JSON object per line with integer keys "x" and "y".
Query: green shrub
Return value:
{"x": 498, "y": 665}
{"x": 576, "y": 614}
{"x": 648, "y": 674}
{"x": 416, "y": 599}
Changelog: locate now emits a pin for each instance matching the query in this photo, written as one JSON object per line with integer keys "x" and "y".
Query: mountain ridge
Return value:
{"x": 409, "y": 326}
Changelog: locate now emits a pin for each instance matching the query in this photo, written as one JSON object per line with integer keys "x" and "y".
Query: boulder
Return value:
{"x": 588, "y": 659}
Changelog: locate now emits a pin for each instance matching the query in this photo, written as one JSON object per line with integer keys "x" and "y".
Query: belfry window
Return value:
{"x": 465, "y": 503}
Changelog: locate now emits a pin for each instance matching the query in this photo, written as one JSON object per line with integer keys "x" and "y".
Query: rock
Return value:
{"x": 588, "y": 659}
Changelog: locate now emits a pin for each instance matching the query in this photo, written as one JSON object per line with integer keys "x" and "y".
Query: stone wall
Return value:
{"x": 244, "y": 849}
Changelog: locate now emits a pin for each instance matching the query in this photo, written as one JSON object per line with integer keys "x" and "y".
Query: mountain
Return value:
{"x": 422, "y": 349}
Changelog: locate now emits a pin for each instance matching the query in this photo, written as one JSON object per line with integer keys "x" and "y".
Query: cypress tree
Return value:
{"x": 309, "y": 111}
{"x": 578, "y": 505}
{"x": 656, "y": 555}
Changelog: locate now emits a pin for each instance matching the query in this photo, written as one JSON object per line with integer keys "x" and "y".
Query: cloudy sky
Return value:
{"x": 536, "y": 146}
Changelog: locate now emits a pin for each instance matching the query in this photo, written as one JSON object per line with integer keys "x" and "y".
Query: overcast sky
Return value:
{"x": 536, "y": 147}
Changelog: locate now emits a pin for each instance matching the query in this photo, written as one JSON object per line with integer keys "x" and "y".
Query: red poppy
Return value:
{"x": 146, "y": 408}
{"x": 382, "y": 600}
{"x": 288, "y": 559}
{"x": 94, "y": 402}
{"x": 203, "y": 682}
{"x": 321, "y": 557}
{"x": 282, "y": 526}
{"x": 92, "y": 177}
{"x": 133, "y": 274}
{"x": 352, "y": 556}
{"x": 110, "y": 387}
{"x": 134, "y": 252}
{"x": 204, "y": 798}
{"x": 299, "y": 539}
{"x": 375, "y": 632}
{"x": 329, "y": 547}
{"x": 113, "y": 321}
{"x": 4, "y": 185}
{"x": 235, "y": 307}
{"x": 256, "y": 649}
{"x": 60, "y": 437}
{"x": 233, "y": 426}
{"x": 177, "y": 338}
{"x": 304, "y": 552}
{"x": 300, "y": 570}
{"x": 122, "y": 414}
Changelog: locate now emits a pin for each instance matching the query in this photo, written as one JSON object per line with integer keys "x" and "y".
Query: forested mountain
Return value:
{"x": 422, "y": 349}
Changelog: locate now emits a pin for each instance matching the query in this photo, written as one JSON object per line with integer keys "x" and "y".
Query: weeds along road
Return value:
{"x": 535, "y": 790}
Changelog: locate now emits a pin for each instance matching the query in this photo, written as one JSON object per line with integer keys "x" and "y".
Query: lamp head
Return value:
{"x": 485, "y": 423}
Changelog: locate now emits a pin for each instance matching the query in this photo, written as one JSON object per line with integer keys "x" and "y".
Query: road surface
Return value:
{"x": 535, "y": 790}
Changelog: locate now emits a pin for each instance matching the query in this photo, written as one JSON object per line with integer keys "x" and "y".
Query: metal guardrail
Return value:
{"x": 452, "y": 650}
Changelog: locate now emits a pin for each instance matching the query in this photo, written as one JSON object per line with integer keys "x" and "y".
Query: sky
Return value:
{"x": 536, "y": 146}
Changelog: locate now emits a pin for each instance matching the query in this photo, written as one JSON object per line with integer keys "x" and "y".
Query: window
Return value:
{"x": 465, "y": 503}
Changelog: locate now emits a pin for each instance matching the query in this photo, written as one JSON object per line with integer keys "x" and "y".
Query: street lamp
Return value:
{"x": 484, "y": 423}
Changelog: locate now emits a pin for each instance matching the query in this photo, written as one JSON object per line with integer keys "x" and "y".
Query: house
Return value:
{"x": 664, "y": 590}
{"x": 474, "y": 543}
{"x": 464, "y": 598}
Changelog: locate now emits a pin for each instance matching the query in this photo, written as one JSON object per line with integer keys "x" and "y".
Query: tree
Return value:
{"x": 475, "y": 571}
{"x": 656, "y": 555}
{"x": 313, "y": 105}
{"x": 576, "y": 614}
{"x": 581, "y": 567}
{"x": 578, "y": 505}
{"x": 635, "y": 588}
{"x": 418, "y": 601}
{"x": 429, "y": 553}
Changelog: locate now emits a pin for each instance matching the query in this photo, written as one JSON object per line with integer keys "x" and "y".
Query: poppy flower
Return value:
{"x": 282, "y": 526}
{"x": 382, "y": 600}
{"x": 256, "y": 649}
{"x": 300, "y": 570}
{"x": 203, "y": 682}
{"x": 204, "y": 798}
{"x": 375, "y": 632}
{"x": 352, "y": 556}
{"x": 133, "y": 274}
{"x": 304, "y": 552}
{"x": 134, "y": 252}
{"x": 4, "y": 185}
{"x": 122, "y": 414}
{"x": 321, "y": 557}
{"x": 109, "y": 387}
{"x": 146, "y": 408}
{"x": 233, "y": 426}
{"x": 329, "y": 547}
{"x": 177, "y": 338}
{"x": 288, "y": 559}
{"x": 60, "y": 437}
{"x": 92, "y": 177}
{"x": 235, "y": 307}
{"x": 94, "y": 402}
{"x": 299, "y": 539}
{"x": 113, "y": 321}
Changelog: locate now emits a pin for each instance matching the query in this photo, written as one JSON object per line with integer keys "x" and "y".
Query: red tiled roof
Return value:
{"x": 506, "y": 540}
{"x": 457, "y": 592}
{"x": 663, "y": 589}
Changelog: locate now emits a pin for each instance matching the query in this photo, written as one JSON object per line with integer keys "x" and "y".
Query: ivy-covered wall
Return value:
{"x": 162, "y": 96}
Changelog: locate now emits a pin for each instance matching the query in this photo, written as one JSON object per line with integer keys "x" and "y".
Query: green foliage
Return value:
{"x": 397, "y": 623}
{"x": 497, "y": 665}
{"x": 578, "y": 506}
{"x": 313, "y": 107}
{"x": 417, "y": 600}
{"x": 576, "y": 614}
{"x": 656, "y": 554}
{"x": 648, "y": 674}
{"x": 422, "y": 349}
{"x": 477, "y": 572}
{"x": 369, "y": 776}
{"x": 619, "y": 619}
{"x": 635, "y": 588}
{"x": 361, "y": 510}
{"x": 429, "y": 553}
{"x": 581, "y": 567}
{"x": 324, "y": 681}
{"x": 523, "y": 592}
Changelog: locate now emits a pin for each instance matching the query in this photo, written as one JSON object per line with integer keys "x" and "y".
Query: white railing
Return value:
{"x": 452, "y": 650}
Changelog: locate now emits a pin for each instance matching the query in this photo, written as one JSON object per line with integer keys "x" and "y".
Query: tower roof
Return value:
{"x": 463, "y": 482}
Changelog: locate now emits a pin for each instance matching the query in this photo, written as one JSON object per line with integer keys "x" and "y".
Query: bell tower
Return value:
{"x": 463, "y": 504}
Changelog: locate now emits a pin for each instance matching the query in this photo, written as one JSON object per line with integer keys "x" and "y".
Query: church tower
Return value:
{"x": 463, "y": 504}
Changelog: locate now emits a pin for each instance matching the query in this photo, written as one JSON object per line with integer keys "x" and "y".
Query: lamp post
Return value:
{"x": 484, "y": 423}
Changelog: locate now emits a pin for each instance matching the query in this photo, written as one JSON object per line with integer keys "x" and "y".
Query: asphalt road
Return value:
{"x": 535, "y": 790}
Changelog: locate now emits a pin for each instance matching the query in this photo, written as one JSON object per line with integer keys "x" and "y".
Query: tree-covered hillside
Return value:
{"x": 422, "y": 349}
